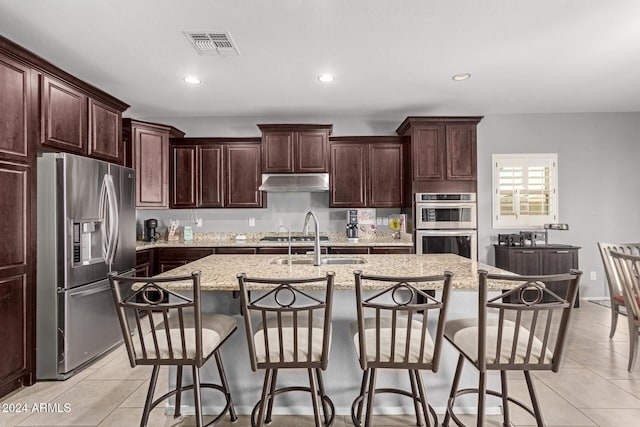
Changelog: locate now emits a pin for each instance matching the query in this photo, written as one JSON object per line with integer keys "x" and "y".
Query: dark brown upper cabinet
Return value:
{"x": 147, "y": 145}
{"x": 196, "y": 176}
{"x": 105, "y": 132}
{"x": 291, "y": 148}
{"x": 443, "y": 149}
{"x": 242, "y": 163}
{"x": 15, "y": 109}
{"x": 64, "y": 116}
{"x": 368, "y": 172}
{"x": 215, "y": 173}
{"x": 348, "y": 178}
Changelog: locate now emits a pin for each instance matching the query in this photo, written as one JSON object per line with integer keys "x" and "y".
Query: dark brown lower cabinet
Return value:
{"x": 17, "y": 287}
{"x": 539, "y": 260}
{"x": 397, "y": 250}
{"x": 170, "y": 258}
{"x": 145, "y": 263}
{"x": 245, "y": 251}
{"x": 363, "y": 250}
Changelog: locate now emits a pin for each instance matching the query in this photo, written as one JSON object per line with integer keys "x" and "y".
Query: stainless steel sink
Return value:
{"x": 309, "y": 261}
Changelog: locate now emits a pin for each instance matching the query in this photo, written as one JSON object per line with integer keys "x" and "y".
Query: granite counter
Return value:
{"x": 218, "y": 272}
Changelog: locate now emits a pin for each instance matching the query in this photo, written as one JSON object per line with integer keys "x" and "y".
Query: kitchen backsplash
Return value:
{"x": 286, "y": 209}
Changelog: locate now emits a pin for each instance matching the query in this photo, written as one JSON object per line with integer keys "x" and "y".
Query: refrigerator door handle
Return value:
{"x": 102, "y": 209}
{"x": 113, "y": 219}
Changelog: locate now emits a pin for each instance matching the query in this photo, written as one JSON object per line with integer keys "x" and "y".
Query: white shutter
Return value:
{"x": 524, "y": 190}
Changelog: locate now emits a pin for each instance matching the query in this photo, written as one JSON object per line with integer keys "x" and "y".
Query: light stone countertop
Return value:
{"x": 218, "y": 272}
{"x": 253, "y": 240}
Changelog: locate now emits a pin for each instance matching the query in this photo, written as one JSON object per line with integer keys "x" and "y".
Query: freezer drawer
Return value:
{"x": 88, "y": 325}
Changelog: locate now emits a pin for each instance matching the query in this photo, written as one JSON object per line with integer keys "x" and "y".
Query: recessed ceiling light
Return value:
{"x": 461, "y": 76}
{"x": 193, "y": 80}
{"x": 325, "y": 78}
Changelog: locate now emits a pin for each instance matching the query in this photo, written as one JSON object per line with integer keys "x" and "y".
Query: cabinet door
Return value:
{"x": 386, "y": 180}
{"x": 211, "y": 176}
{"x": 236, "y": 251}
{"x": 556, "y": 261}
{"x": 461, "y": 152}
{"x": 105, "y": 132}
{"x": 398, "y": 250}
{"x": 311, "y": 152}
{"x": 243, "y": 176}
{"x": 151, "y": 160}
{"x": 16, "y": 277}
{"x": 349, "y": 250}
{"x": 183, "y": 176}
{"x": 519, "y": 261}
{"x": 14, "y": 109}
{"x": 348, "y": 175}
{"x": 277, "y": 152}
{"x": 428, "y": 145}
{"x": 64, "y": 112}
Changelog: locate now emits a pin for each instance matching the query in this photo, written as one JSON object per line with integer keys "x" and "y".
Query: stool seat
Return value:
{"x": 464, "y": 334}
{"x": 419, "y": 352}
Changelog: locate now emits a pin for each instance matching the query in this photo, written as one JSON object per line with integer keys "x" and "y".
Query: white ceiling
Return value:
{"x": 389, "y": 57}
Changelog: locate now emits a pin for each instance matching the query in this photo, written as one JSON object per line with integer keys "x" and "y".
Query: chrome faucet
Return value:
{"x": 316, "y": 240}
{"x": 288, "y": 239}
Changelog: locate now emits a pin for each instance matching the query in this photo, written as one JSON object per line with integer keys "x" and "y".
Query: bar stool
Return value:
{"x": 615, "y": 289}
{"x": 526, "y": 335}
{"x": 627, "y": 270}
{"x": 391, "y": 333}
{"x": 287, "y": 327}
{"x": 184, "y": 337}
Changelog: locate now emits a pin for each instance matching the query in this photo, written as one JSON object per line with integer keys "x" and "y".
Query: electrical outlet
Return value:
{"x": 385, "y": 220}
{"x": 198, "y": 222}
{"x": 252, "y": 222}
{"x": 593, "y": 276}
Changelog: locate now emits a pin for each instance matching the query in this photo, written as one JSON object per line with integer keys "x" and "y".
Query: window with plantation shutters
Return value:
{"x": 525, "y": 190}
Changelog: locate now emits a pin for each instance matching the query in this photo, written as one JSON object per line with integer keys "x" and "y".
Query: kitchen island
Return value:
{"x": 343, "y": 376}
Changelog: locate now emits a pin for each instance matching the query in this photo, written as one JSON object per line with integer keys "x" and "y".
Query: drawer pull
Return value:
{"x": 561, "y": 252}
{"x": 528, "y": 252}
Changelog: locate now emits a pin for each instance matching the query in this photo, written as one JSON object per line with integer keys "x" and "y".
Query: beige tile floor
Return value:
{"x": 593, "y": 388}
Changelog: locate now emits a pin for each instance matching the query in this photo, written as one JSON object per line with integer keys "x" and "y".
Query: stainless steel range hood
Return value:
{"x": 309, "y": 182}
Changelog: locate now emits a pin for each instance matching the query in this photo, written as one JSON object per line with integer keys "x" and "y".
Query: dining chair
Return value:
{"x": 627, "y": 270}
{"x": 391, "y": 333}
{"x": 288, "y": 326}
{"x": 526, "y": 334}
{"x": 182, "y": 336}
{"x": 615, "y": 290}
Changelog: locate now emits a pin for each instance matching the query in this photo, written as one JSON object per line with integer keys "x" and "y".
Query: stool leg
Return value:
{"x": 614, "y": 320}
{"x": 197, "y": 401}
{"x": 482, "y": 395}
{"x": 414, "y": 391}
{"x": 363, "y": 390}
{"x": 454, "y": 388}
{"x": 314, "y": 396}
{"x": 263, "y": 398}
{"x": 325, "y": 406}
{"x": 149, "y": 400}
{"x": 534, "y": 399}
{"x": 423, "y": 398}
{"x": 506, "y": 419}
{"x": 272, "y": 389}
{"x": 225, "y": 385}
{"x": 633, "y": 341}
{"x": 372, "y": 392}
{"x": 176, "y": 411}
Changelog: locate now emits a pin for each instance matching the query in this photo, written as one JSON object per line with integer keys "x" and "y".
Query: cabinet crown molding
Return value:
{"x": 435, "y": 120}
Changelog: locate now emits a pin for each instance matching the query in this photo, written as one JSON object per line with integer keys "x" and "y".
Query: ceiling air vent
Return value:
{"x": 215, "y": 43}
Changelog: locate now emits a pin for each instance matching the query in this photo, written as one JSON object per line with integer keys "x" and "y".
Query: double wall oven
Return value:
{"x": 446, "y": 223}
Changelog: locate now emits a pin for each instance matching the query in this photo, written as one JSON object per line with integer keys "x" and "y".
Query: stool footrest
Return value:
{"x": 325, "y": 399}
{"x": 495, "y": 393}
{"x": 377, "y": 391}
{"x": 188, "y": 387}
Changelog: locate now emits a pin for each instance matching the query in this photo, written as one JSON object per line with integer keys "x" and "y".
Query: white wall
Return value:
{"x": 599, "y": 182}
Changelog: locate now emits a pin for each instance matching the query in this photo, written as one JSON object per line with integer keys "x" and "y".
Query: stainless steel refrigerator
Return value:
{"x": 86, "y": 228}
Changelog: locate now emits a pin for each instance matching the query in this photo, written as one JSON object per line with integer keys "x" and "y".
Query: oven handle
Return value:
{"x": 431, "y": 205}
{"x": 446, "y": 232}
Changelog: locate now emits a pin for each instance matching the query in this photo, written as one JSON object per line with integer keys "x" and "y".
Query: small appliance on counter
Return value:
{"x": 150, "y": 234}
{"x": 352, "y": 225}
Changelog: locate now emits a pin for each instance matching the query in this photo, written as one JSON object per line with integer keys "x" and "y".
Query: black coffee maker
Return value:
{"x": 150, "y": 226}
{"x": 352, "y": 224}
